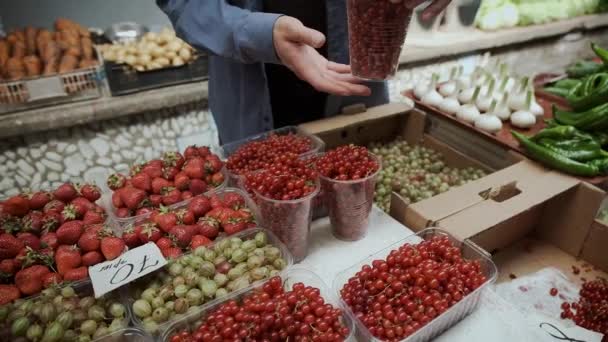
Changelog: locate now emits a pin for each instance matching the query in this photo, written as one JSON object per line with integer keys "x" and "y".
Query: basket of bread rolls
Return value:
{"x": 39, "y": 66}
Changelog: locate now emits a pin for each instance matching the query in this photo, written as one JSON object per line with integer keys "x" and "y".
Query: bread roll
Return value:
{"x": 33, "y": 65}
{"x": 68, "y": 63}
{"x": 30, "y": 40}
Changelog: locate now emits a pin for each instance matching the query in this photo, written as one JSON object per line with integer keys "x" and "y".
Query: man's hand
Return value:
{"x": 431, "y": 11}
{"x": 295, "y": 46}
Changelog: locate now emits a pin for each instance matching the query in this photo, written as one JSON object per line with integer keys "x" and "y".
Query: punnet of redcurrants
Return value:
{"x": 591, "y": 309}
{"x": 349, "y": 162}
{"x": 288, "y": 178}
{"x": 272, "y": 314}
{"x": 261, "y": 154}
{"x": 395, "y": 297}
{"x": 415, "y": 172}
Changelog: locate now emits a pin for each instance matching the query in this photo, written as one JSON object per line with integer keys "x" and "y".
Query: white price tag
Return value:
{"x": 133, "y": 264}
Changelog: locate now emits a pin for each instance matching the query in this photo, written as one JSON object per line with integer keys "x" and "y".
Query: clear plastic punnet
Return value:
{"x": 441, "y": 323}
{"x": 376, "y": 31}
{"x": 317, "y": 145}
{"x": 290, "y": 277}
{"x": 127, "y": 335}
{"x": 289, "y": 220}
{"x": 349, "y": 204}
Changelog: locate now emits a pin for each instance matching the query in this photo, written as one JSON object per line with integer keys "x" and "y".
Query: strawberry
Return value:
{"x": 149, "y": 233}
{"x": 217, "y": 179}
{"x": 123, "y": 212}
{"x": 143, "y": 211}
{"x": 132, "y": 197}
{"x": 198, "y": 186}
{"x": 49, "y": 240}
{"x": 11, "y": 224}
{"x": 89, "y": 241}
{"x": 213, "y": 164}
{"x": 67, "y": 258}
{"x": 69, "y": 232}
{"x": 232, "y": 226}
{"x": 233, "y": 200}
{"x": 199, "y": 240}
{"x": 130, "y": 238}
{"x": 165, "y": 220}
{"x": 181, "y": 181}
{"x": 51, "y": 221}
{"x": 171, "y": 252}
{"x": 9, "y": 246}
{"x": 8, "y": 266}
{"x": 96, "y": 228}
{"x": 164, "y": 243}
{"x": 191, "y": 151}
{"x": 186, "y": 195}
{"x": 76, "y": 274}
{"x": 153, "y": 168}
{"x": 116, "y": 200}
{"x": 159, "y": 183}
{"x": 182, "y": 235}
{"x": 29, "y": 280}
{"x": 8, "y": 293}
{"x": 17, "y": 205}
{"x": 53, "y": 206}
{"x": 33, "y": 221}
{"x": 185, "y": 216}
{"x": 92, "y": 258}
{"x": 171, "y": 196}
{"x": 90, "y": 191}
{"x": 81, "y": 206}
{"x": 116, "y": 181}
{"x": 65, "y": 192}
{"x": 209, "y": 227}
{"x": 68, "y": 213}
{"x": 112, "y": 247}
{"x": 29, "y": 240}
{"x": 170, "y": 172}
{"x": 93, "y": 216}
{"x": 39, "y": 199}
{"x": 51, "y": 279}
{"x": 174, "y": 159}
{"x": 245, "y": 215}
{"x": 142, "y": 181}
{"x": 216, "y": 202}
{"x": 195, "y": 168}
{"x": 204, "y": 151}
{"x": 221, "y": 214}
{"x": 156, "y": 200}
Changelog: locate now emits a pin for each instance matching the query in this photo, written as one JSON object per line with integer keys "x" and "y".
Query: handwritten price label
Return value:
{"x": 134, "y": 264}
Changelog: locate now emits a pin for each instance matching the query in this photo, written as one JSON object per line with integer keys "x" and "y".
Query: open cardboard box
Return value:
{"x": 527, "y": 216}
{"x": 384, "y": 123}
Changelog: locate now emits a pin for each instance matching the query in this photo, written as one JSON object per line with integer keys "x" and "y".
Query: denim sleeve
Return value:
{"x": 222, "y": 29}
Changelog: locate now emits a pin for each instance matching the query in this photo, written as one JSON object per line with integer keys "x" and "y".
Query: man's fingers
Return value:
{"x": 299, "y": 33}
{"x": 345, "y": 77}
{"x": 434, "y": 9}
{"x": 337, "y": 67}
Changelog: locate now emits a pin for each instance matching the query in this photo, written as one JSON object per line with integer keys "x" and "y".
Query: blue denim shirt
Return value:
{"x": 238, "y": 39}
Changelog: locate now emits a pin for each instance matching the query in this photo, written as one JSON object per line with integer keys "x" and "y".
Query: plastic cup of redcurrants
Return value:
{"x": 348, "y": 178}
{"x": 377, "y": 31}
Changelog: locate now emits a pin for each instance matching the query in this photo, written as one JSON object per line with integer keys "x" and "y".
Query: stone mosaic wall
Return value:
{"x": 86, "y": 152}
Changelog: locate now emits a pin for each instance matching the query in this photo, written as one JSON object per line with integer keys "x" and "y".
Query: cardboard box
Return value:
{"x": 527, "y": 216}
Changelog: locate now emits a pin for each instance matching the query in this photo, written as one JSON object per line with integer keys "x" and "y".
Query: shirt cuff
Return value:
{"x": 256, "y": 37}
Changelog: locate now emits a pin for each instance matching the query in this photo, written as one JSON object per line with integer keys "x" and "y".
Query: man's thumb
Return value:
{"x": 302, "y": 34}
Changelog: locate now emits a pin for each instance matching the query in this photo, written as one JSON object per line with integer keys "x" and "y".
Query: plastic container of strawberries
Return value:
{"x": 133, "y": 288}
{"x": 83, "y": 288}
{"x": 349, "y": 204}
{"x": 290, "y": 220}
{"x": 290, "y": 277}
{"x": 317, "y": 145}
{"x": 119, "y": 224}
{"x": 449, "y": 318}
{"x": 377, "y": 31}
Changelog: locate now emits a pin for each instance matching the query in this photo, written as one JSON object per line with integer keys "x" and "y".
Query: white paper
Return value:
{"x": 132, "y": 265}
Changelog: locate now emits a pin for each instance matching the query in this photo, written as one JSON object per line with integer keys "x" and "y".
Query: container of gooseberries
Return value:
{"x": 68, "y": 312}
{"x": 376, "y": 31}
{"x": 462, "y": 285}
{"x": 294, "y": 278}
{"x": 252, "y": 153}
{"x": 205, "y": 276}
{"x": 127, "y": 335}
{"x": 349, "y": 202}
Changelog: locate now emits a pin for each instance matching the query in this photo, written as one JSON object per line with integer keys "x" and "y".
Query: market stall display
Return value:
{"x": 305, "y": 310}
{"x": 64, "y": 60}
{"x": 190, "y": 281}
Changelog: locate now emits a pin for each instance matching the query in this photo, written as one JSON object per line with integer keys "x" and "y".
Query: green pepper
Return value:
{"x": 583, "y": 69}
{"x": 601, "y": 53}
{"x": 601, "y": 164}
{"x": 554, "y": 159}
{"x": 566, "y": 83}
{"x": 562, "y": 92}
{"x": 582, "y": 120}
{"x": 559, "y": 132}
{"x": 580, "y": 152}
{"x": 592, "y": 92}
